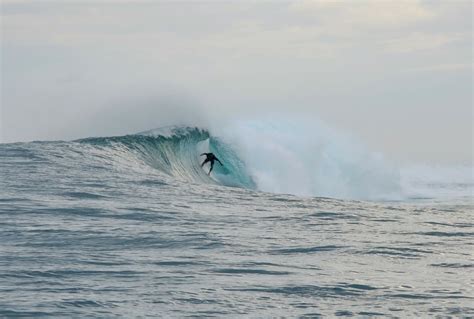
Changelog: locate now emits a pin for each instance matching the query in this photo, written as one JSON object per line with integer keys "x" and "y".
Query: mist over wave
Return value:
{"x": 308, "y": 159}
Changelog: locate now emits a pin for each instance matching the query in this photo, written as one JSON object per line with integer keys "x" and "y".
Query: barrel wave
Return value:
{"x": 176, "y": 151}
{"x": 276, "y": 157}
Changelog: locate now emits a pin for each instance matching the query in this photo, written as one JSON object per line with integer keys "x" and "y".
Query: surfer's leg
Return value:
{"x": 212, "y": 166}
{"x": 205, "y": 161}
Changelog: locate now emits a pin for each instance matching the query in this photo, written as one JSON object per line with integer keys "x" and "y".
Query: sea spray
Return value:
{"x": 309, "y": 159}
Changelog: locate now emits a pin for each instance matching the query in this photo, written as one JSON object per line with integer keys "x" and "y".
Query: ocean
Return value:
{"x": 295, "y": 224}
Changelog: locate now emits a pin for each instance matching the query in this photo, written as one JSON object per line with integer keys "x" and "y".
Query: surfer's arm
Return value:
{"x": 219, "y": 161}
{"x": 203, "y": 154}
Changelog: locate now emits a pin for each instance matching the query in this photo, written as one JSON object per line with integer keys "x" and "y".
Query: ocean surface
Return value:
{"x": 132, "y": 226}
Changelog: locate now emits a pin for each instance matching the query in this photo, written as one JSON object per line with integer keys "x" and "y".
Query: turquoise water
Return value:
{"x": 131, "y": 226}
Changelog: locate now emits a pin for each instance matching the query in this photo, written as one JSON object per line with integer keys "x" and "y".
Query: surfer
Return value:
{"x": 210, "y": 158}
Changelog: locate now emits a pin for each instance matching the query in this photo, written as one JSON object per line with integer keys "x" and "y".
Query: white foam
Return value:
{"x": 305, "y": 158}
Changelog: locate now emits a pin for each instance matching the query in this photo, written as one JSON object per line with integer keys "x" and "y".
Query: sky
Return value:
{"x": 396, "y": 75}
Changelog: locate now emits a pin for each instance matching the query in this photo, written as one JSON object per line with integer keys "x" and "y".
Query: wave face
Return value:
{"x": 279, "y": 157}
{"x": 176, "y": 151}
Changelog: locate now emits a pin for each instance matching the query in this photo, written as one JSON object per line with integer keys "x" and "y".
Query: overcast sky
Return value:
{"x": 395, "y": 75}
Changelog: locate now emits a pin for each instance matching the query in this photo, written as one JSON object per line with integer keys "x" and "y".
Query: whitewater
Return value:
{"x": 299, "y": 222}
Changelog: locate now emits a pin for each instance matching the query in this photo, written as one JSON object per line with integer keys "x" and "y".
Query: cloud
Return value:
{"x": 418, "y": 41}
{"x": 365, "y": 14}
{"x": 447, "y": 67}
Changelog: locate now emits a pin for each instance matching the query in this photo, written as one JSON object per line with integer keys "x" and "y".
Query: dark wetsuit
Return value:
{"x": 210, "y": 158}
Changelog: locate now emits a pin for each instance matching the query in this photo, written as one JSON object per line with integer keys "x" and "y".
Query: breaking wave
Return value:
{"x": 284, "y": 157}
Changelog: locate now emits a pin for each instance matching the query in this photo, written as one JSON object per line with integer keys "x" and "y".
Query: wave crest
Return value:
{"x": 176, "y": 151}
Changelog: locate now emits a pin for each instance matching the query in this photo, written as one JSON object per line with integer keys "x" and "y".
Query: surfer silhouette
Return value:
{"x": 210, "y": 158}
